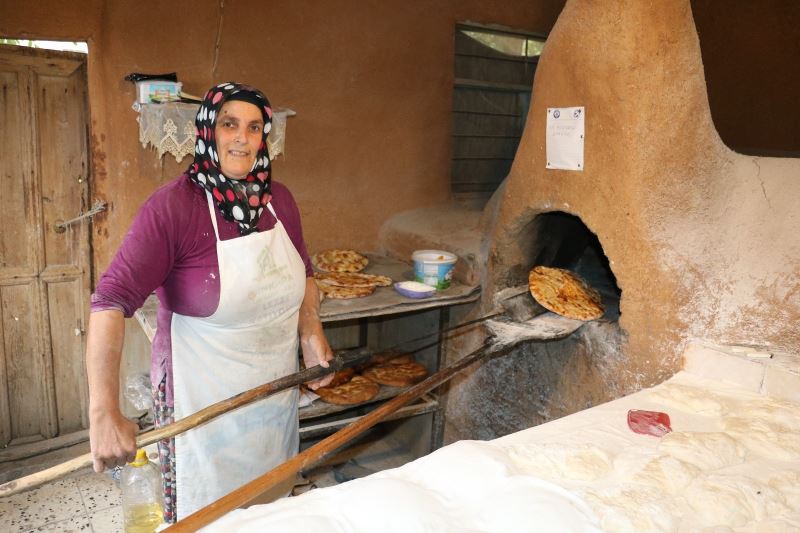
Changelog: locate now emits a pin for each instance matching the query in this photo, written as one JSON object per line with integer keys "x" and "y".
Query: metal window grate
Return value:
{"x": 494, "y": 68}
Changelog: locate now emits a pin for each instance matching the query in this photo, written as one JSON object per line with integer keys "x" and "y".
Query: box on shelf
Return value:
{"x": 148, "y": 91}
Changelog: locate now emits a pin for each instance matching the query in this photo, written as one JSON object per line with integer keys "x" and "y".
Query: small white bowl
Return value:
{"x": 413, "y": 289}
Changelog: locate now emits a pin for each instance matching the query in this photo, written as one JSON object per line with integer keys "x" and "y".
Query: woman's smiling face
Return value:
{"x": 238, "y": 132}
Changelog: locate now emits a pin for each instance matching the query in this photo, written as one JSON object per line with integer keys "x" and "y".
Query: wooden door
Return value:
{"x": 44, "y": 273}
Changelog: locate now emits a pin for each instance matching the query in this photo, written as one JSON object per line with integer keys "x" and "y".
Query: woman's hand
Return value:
{"x": 316, "y": 350}
{"x": 112, "y": 438}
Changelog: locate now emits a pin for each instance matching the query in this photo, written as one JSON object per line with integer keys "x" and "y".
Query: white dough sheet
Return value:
{"x": 732, "y": 463}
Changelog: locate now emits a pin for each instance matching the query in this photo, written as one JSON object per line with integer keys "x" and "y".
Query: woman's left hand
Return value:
{"x": 316, "y": 350}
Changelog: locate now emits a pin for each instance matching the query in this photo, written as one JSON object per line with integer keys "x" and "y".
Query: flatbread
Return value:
{"x": 357, "y": 390}
{"x": 344, "y": 293}
{"x": 387, "y": 358}
{"x": 339, "y": 261}
{"x": 397, "y": 375}
{"x": 352, "y": 279}
{"x": 392, "y": 358}
{"x": 565, "y": 293}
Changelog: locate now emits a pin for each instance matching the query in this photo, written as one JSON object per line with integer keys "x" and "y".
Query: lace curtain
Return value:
{"x": 169, "y": 128}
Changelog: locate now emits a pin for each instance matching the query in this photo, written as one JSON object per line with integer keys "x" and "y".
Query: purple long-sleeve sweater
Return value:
{"x": 171, "y": 249}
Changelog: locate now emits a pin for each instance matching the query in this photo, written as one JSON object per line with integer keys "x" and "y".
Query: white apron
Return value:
{"x": 250, "y": 339}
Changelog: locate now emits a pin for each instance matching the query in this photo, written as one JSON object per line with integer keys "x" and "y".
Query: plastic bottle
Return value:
{"x": 142, "y": 495}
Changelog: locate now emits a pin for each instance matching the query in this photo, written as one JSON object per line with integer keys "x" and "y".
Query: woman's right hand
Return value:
{"x": 112, "y": 439}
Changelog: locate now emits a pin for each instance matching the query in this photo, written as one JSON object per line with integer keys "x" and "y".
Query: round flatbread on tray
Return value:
{"x": 387, "y": 358}
{"x": 565, "y": 293}
{"x": 358, "y": 390}
{"x": 344, "y": 293}
{"x": 397, "y": 375}
{"x": 339, "y": 261}
{"x": 352, "y": 279}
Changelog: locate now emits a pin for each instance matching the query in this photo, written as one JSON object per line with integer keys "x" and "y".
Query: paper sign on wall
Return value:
{"x": 565, "y": 137}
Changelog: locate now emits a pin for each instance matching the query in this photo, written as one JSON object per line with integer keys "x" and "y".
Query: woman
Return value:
{"x": 222, "y": 246}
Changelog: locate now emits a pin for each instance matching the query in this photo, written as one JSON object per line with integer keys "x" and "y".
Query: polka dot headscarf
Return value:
{"x": 241, "y": 201}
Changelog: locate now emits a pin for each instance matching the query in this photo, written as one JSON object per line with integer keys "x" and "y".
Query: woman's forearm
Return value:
{"x": 316, "y": 350}
{"x": 103, "y": 354}
{"x": 112, "y": 437}
{"x": 309, "y": 321}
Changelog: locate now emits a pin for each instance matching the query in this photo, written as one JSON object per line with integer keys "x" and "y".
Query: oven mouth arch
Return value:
{"x": 562, "y": 240}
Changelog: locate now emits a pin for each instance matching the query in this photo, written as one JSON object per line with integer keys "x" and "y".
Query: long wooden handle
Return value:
{"x": 325, "y": 447}
{"x": 192, "y": 421}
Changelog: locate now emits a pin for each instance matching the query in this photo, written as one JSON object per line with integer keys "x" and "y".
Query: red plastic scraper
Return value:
{"x": 653, "y": 423}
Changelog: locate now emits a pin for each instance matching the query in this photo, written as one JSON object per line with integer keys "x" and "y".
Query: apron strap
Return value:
{"x": 213, "y": 212}
{"x": 271, "y": 210}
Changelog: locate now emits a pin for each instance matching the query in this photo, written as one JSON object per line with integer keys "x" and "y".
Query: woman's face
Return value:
{"x": 238, "y": 134}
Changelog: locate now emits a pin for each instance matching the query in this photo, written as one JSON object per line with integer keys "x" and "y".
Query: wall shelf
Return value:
{"x": 387, "y": 301}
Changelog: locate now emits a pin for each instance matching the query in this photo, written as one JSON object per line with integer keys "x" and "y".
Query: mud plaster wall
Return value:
{"x": 703, "y": 242}
{"x": 750, "y": 52}
{"x": 371, "y": 83}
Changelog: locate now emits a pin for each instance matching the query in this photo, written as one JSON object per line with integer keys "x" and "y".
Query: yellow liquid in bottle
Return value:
{"x": 143, "y": 518}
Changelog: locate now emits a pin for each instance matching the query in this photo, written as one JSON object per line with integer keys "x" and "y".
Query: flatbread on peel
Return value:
{"x": 565, "y": 293}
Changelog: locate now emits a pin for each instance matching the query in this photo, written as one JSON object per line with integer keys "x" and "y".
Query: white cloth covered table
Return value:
{"x": 731, "y": 462}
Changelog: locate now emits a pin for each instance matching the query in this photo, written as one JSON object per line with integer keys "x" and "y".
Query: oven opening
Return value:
{"x": 562, "y": 240}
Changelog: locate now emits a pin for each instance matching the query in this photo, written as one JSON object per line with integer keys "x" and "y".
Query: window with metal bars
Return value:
{"x": 494, "y": 69}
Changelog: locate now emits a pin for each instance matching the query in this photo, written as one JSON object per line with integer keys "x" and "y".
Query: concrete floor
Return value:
{"x": 84, "y": 501}
{"x": 89, "y": 502}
